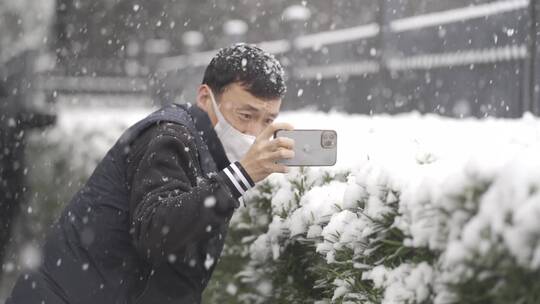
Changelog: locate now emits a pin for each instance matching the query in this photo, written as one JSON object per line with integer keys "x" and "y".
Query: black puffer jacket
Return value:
{"x": 150, "y": 223}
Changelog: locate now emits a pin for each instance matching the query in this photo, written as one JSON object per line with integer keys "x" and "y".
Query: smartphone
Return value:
{"x": 311, "y": 147}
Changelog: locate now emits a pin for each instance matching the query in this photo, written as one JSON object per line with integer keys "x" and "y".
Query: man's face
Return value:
{"x": 245, "y": 112}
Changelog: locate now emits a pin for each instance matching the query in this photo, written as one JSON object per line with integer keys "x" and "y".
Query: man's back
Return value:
{"x": 138, "y": 231}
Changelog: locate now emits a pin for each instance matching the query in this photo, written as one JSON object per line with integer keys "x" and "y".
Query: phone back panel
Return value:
{"x": 308, "y": 148}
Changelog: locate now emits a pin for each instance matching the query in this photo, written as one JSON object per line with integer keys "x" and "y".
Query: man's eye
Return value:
{"x": 245, "y": 116}
{"x": 269, "y": 121}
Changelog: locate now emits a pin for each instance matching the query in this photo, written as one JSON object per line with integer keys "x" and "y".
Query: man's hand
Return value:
{"x": 260, "y": 160}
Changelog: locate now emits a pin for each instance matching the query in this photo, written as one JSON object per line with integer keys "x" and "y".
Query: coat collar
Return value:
{"x": 205, "y": 128}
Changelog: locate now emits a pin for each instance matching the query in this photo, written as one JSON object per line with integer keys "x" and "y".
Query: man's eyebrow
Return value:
{"x": 248, "y": 107}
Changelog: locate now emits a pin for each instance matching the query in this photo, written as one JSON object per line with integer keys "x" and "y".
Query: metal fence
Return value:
{"x": 479, "y": 60}
{"x": 432, "y": 56}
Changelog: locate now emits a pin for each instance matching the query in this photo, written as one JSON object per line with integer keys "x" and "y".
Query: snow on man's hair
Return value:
{"x": 259, "y": 72}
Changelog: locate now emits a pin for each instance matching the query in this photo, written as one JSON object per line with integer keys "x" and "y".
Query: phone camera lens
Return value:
{"x": 328, "y": 139}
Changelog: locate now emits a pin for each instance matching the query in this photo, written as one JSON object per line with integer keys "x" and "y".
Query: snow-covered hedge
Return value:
{"x": 418, "y": 209}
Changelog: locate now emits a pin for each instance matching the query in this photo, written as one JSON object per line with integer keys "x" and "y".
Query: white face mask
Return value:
{"x": 235, "y": 143}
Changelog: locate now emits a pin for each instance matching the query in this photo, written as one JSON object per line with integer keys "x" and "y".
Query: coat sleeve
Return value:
{"x": 172, "y": 204}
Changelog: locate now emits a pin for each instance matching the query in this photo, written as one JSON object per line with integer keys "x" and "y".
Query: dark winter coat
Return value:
{"x": 149, "y": 224}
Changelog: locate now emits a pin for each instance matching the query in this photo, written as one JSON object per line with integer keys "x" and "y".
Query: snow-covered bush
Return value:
{"x": 421, "y": 210}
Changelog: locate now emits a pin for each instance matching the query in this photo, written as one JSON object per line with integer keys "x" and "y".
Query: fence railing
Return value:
{"x": 484, "y": 55}
{"x": 473, "y": 42}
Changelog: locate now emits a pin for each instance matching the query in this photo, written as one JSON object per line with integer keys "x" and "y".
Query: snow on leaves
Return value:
{"x": 396, "y": 229}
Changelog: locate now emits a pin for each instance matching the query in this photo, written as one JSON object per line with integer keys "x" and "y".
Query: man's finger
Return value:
{"x": 282, "y": 154}
{"x": 282, "y": 142}
{"x": 269, "y": 131}
{"x": 279, "y": 168}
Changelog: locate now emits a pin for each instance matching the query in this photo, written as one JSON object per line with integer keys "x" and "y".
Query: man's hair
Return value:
{"x": 259, "y": 72}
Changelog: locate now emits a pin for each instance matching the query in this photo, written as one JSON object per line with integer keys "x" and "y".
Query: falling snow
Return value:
{"x": 430, "y": 102}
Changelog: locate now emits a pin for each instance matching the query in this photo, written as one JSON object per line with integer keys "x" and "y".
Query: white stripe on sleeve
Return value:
{"x": 242, "y": 177}
{"x": 234, "y": 181}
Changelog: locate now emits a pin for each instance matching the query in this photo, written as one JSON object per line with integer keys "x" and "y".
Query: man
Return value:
{"x": 150, "y": 223}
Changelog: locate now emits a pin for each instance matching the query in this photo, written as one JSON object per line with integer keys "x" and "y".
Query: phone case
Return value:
{"x": 310, "y": 148}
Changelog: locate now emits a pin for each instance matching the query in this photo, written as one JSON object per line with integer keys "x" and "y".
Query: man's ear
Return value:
{"x": 203, "y": 98}
{"x": 204, "y": 102}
